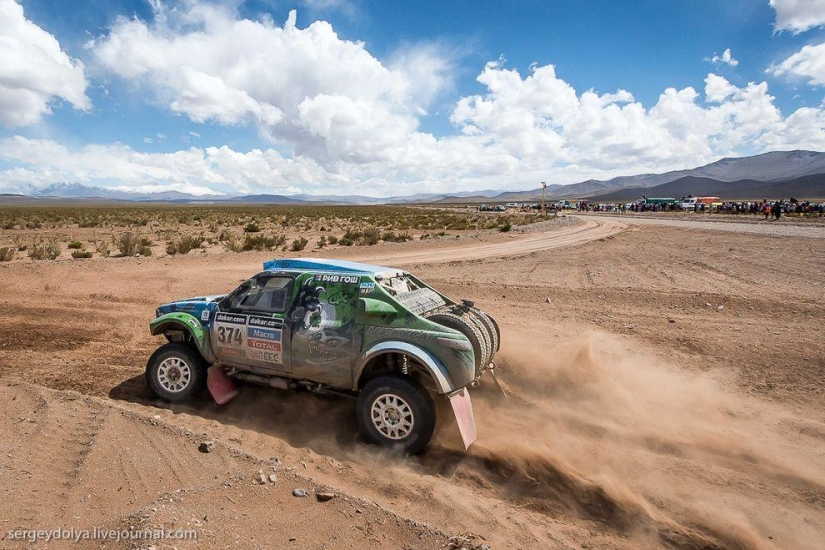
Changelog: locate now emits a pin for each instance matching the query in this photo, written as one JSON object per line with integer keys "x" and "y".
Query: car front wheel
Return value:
{"x": 175, "y": 373}
{"x": 396, "y": 412}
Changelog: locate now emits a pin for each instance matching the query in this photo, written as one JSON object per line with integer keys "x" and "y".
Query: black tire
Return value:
{"x": 469, "y": 329}
{"x": 484, "y": 321}
{"x": 391, "y": 399}
{"x": 492, "y": 326}
{"x": 175, "y": 373}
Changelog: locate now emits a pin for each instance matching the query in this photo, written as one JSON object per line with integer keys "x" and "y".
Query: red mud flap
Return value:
{"x": 220, "y": 386}
{"x": 463, "y": 409}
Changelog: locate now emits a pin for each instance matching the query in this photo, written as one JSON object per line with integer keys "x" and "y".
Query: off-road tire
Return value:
{"x": 490, "y": 323}
{"x": 471, "y": 330}
{"x": 485, "y": 322}
{"x": 175, "y": 373}
{"x": 411, "y": 402}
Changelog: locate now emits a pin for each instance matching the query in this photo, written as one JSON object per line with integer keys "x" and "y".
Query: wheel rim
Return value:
{"x": 174, "y": 374}
{"x": 392, "y": 416}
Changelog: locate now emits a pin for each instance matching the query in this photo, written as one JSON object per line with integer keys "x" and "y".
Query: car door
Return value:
{"x": 250, "y": 328}
{"x": 325, "y": 337}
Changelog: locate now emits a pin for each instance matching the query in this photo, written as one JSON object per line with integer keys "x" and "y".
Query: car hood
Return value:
{"x": 196, "y": 306}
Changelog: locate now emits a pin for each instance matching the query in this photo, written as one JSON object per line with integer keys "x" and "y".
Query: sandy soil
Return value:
{"x": 666, "y": 386}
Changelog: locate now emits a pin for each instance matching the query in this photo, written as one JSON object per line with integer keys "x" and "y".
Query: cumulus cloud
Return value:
{"x": 798, "y": 15}
{"x": 34, "y": 71}
{"x": 725, "y": 59}
{"x": 808, "y": 64}
{"x": 306, "y": 88}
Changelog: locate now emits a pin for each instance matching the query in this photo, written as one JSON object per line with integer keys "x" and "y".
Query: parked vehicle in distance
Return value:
{"x": 690, "y": 203}
{"x": 374, "y": 333}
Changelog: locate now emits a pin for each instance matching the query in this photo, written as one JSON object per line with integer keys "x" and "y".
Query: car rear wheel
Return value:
{"x": 175, "y": 373}
{"x": 397, "y": 412}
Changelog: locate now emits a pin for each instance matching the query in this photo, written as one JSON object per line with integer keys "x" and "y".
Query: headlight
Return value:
{"x": 158, "y": 313}
{"x": 463, "y": 345}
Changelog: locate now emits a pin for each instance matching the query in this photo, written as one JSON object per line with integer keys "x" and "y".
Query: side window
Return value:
{"x": 269, "y": 294}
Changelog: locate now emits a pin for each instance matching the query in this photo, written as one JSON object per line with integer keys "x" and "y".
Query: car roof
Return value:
{"x": 328, "y": 265}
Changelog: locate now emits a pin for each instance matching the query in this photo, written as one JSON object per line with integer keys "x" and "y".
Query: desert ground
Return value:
{"x": 665, "y": 380}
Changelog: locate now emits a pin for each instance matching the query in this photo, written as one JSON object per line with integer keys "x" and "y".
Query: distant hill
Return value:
{"x": 779, "y": 173}
{"x": 774, "y": 166}
{"x": 809, "y": 187}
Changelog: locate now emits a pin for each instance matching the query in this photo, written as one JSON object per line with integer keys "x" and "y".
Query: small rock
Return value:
{"x": 358, "y": 511}
{"x": 293, "y": 539}
{"x": 628, "y": 327}
{"x": 707, "y": 304}
{"x": 720, "y": 307}
{"x": 671, "y": 320}
{"x": 299, "y": 493}
{"x": 206, "y": 446}
{"x": 260, "y": 479}
{"x": 323, "y": 497}
{"x": 273, "y": 478}
{"x": 548, "y": 300}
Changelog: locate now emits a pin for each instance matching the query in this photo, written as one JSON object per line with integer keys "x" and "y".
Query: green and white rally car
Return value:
{"x": 331, "y": 326}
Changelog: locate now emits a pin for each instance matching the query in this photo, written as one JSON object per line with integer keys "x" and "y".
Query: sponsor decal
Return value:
{"x": 192, "y": 322}
{"x": 232, "y": 352}
{"x": 231, "y": 318}
{"x": 263, "y": 355}
{"x": 347, "y": 279}
{"x": 264, "y": 334}
{"x": 205, "y": 315}
{"x": 265, "y": 322}
{"x": 263, "y": 344}
{"x": 402, "y": 333}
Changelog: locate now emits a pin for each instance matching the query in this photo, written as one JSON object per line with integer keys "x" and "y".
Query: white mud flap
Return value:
{"x": 463, "y": 410}
{"x": 220, "y": 386}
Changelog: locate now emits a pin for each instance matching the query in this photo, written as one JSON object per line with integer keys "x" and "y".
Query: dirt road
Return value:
{"x": 658, "y": 399}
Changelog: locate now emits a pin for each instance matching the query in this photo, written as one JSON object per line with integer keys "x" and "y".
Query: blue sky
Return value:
{"x": 391, "y": 98}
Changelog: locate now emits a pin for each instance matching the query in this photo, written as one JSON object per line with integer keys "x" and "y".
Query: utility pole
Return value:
{"x": 543, "y": 191}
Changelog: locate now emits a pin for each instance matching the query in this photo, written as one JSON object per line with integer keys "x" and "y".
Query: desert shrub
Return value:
{"x": 234, "y": 245}
{"x": 351, "y": 236}
{"x": 144, "y": 250}
{"x": 127, "y": 243}
{"x": 7, "y": 253}
{"x": 262, "y": 242}
{"x": 252, "y": 227}
{"x": 225, "y": 236}
{"x": 322, "y": 242}
{"x": 9, "y": 225}
{"x": 184, "y": 244}
{"x": 505, "y": 227}
{"x": 371, "y": 236}
{"x": 44, "y": 250}
{"x": 36, "y": 224}
{"x": 81, "y": 254}
{"x": 21, "y": 245}
{"x": 332, "y": 239}
{"x": 298, "y": 244}
{"x": 102, "y": 248}
{"x": 425, "y": 236}
{"x": 391, "y": 237}
{"x": 346, "y": 241}
{"x": 75, "y": 245}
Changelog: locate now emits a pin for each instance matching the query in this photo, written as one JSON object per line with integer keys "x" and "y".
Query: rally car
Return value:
{"x": 375, "y": 333}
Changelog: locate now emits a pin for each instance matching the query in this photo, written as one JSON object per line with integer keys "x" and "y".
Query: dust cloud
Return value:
{"x": 607, "y": 433}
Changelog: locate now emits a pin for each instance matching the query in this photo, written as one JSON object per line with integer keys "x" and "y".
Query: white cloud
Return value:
{"x": 725, "y": 59}
{"x": 807, "y": 64}
{"x": 798, "y": 15}
{"x": 34, "y": 70}
{"x": 523, "y": 130}
{"x": 300, "y": 87}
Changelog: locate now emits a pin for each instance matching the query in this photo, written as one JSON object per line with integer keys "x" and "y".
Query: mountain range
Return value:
{"x": 770, "y": 175}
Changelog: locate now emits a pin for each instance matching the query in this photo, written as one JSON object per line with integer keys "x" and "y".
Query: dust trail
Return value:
{"x": 613, "y": 435}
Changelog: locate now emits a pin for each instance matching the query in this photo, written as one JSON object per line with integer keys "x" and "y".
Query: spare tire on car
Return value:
{"x": 471, "y": 329}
